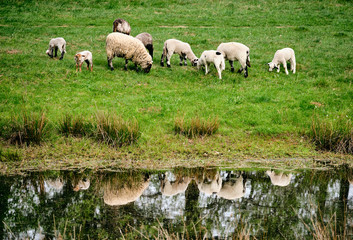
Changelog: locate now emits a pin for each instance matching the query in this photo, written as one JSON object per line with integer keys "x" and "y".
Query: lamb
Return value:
{"x": 234, "y": 51}
{"x": 147, "y": 40}
{"x": 282, "y": 56}
{"x": 129, "y": 48}
{"x": 212, "y": 56}
{"x": 57, "y": 43}
{"x": 183, "y": 49}
{"x": 122, "y": 26}
{"x": 84, "y": 56}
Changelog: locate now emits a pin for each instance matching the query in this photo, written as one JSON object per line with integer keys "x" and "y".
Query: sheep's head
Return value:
{"x": 78, "y": 57}
{"x": 147, "y": 66}
{"x": 48, "y": 52}
{"x": 194, "y": 62}
{"x": 271, "y": 66}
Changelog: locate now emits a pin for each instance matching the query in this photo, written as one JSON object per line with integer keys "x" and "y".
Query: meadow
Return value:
{"x": 268, "y": 115}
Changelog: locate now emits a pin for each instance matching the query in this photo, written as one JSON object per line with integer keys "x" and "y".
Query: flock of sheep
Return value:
{"x": 119, "y": 43}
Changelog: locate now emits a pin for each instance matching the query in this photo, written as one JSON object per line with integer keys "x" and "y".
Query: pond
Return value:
{"x": 180, "y": 203}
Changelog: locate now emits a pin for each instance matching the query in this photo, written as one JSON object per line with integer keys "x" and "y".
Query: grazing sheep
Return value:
{"x": 232, "y": 189}
{"x": 280, "y": 179}
{"x": 84, "y": 56}
{"x": 129, "y": 48}
{"x": 212, "y": 56}
{"x": 147, "y": 40}
{"x": 234, "y": 51}
{"x": 122, "y": 26}
{"x": 183, "y": 49}
{"x": 282, "y": 56}
{"x": 57, "y": 43}
{"x": 171, "y": 188}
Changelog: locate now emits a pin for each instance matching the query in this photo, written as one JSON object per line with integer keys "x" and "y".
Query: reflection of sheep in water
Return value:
{"x": 280, "y": 179}
{"x": 82, "y": 185}
{"x": 232, "y": 189}
{"x": 171, "y": 188}
{"x": 116, "y": 194}
{"x": 210, "y": 182}
{"x": 57, "y": 184}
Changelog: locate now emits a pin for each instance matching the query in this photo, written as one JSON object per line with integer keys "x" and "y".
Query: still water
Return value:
{"x": 187, "y": 203}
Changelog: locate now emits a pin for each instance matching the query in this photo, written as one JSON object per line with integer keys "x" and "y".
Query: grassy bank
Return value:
{"x": 263, "y": 116}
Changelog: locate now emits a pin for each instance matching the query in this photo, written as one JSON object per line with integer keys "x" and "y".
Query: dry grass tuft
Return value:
{"x": 196, "y": 127}
{"x": 76, "y": 127}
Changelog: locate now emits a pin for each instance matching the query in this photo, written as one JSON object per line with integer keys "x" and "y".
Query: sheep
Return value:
{"x": 57, "y": 43}
{"x": 147, "y": 40}
{"x": 183, "y": 49}
{"x": 122, "y": 26}
{"x": 212, "y": 56}
{"x": 129, "y": 48}
{"x": 282, "y": 56}
{"x": 234, "y": 51}
{"x": 84, "y": 56}
{"x": 280, "y": 179}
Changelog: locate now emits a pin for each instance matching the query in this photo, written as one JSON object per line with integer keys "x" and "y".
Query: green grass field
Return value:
{"x": 263, "y": 116}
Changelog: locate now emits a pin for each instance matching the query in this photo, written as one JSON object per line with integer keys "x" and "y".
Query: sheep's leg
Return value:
{"x": 56, "y": 51}
{"x": 185, "y": 62}
{"x": 62, "y": 55}
{"x": 285, "y": 66}
{"x": 91, "y": 66}
{"x": 246, "y": 72}
{"x": 126, "y": 61}
{"x": 181, "y": 60}
{"x": 162, "y": 62}
{"x": 169, "y": 55}
{"x": 51, "y": 53}
{"x": 278, "y": 67}
{"x": 231, "y": 66}
{"x": 150, "y": 49}
{"x": 292, "y": 64}
{"x": 206, "y": 68}
{"x": 87, "y": 64}
{"x": 110, "y": 63}
{"x": 219, "y": 71}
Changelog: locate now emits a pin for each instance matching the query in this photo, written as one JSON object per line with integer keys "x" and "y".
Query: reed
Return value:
{"x": 74, "y": 126}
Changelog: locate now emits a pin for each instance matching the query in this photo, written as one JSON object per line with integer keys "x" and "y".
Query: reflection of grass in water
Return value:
{"x": 126, "y": 179}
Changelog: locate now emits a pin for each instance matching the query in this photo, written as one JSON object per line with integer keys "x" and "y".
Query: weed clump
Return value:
{"x": 196, "y": 127}
{"x": 336, "y": 136}
{"x": 116, "y": 131}
{"x": 27, "y": 129}
{"x": 74, "y": 126}
{"x": 9, "y": 156}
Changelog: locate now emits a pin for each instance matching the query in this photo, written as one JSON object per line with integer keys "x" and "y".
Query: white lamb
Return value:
{"x": 183, "y": 49}
{"x": 84, "y": 56}
{"x": 129, "y": 48}
{"x": 282, "y": 56}
{"x": 234, "y": 51}
{"x": 57, "y": 43}
{"x": 212, "y": 56}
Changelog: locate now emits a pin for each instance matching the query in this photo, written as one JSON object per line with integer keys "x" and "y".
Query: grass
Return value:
{"x": 196, "y": 127}
{"x": 74, "y": 126}
{"x": 262, "y": 116}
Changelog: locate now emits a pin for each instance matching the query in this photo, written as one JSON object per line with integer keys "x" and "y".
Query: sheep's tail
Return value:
{"x": 248, "y": 59}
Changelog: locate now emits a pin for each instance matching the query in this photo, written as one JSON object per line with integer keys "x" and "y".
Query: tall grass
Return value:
{"x": 74, "y": 126}
{"x": 196, "y": 127}
{"x": 9, "y": 155}
{"x": 332, "y": 135}
{"x": 116, "y": 131}
{"x": 27, "y": 129}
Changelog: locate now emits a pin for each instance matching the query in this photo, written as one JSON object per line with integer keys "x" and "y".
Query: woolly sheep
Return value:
{"x": 234, "y": 51}
{"x": 280, "y": 179}
{"x": 147, "y": 40}
{"x": 84, "y": 56}
{"x": 57, "y": 43}
{"x": 282, "y": 56}
{"x": 129, "y": 48}
{"x": 212, "y": 56}
{"x": 122, "y": 26}
{"x": 183, "y": 49}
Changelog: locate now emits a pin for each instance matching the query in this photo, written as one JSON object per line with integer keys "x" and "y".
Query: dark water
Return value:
{"x": 221, "y": 203}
